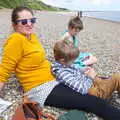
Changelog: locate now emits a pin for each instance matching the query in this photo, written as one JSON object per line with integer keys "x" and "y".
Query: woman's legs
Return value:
{"x": 64, "y": 97}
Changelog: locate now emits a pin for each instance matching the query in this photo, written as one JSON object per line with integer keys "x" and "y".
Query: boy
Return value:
{"x": 88, "y": 82}
{"x": 75, "y": 25}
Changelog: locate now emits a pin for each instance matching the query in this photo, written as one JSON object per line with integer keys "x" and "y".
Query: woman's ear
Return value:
{"x": 14, "y": 25}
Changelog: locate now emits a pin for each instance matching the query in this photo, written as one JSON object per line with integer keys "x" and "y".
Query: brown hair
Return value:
{"x": 18, "y": 9}
{"x": 66, "y": 50}
{"x": 75, "y": 23}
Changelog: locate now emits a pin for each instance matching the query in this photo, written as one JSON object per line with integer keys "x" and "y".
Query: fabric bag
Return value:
{"x": 73, "y": 115}
{"x": 30, "y": 110}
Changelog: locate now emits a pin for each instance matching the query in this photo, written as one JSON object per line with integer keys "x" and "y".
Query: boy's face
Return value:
{"x": 74, "y": 31}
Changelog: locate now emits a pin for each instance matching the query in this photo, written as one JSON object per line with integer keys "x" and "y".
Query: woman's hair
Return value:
{"x": 64, "y": 49}
{"x": 18, "y": 9}
{"x": 75, "y": 23}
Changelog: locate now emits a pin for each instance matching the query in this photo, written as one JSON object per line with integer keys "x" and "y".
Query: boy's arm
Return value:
{"x": 76, "y": 82}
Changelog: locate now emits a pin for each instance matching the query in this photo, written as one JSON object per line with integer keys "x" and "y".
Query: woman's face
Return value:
{"x": 25, "y": 23}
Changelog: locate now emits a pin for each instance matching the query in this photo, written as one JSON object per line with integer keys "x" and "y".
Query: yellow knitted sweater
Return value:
{"x": 27, "y": 59}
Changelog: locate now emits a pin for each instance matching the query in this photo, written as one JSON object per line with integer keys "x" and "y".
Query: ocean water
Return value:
{"x": 106, "y": 15}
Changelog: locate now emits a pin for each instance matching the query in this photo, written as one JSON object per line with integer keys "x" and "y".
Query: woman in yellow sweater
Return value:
{"x": 24, "y": 55}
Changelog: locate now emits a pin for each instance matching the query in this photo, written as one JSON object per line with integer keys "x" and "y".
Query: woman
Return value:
{"x": 24, "y": 55}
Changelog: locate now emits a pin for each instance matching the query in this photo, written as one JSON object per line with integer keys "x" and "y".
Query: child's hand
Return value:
{"x": 90, "y": 72}
{"x": 67, "y": 37}
{"x": 90, "y": 60}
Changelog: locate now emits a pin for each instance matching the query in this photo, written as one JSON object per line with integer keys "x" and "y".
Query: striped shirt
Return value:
{"x": 72, "y": 77}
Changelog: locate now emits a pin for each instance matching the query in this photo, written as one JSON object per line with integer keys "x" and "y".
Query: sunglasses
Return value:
{"x": 25, "y": 21}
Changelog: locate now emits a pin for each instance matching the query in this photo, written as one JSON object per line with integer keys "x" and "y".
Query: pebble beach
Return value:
{"x": 100, "y": 37}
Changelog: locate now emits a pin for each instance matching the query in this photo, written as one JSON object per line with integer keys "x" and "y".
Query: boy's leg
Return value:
{"x": 64, "y": 97}
{"x": 105, "y": 87}
{"x": 116, "y": 79}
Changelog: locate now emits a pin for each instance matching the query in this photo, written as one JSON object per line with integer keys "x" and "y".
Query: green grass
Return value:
{"x": 38, "y": 5}
{"x": 12, "y": 3}
{"x": 34, "y": 4}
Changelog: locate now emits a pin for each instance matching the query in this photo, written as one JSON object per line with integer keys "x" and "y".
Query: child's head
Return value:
{"x": 65, "y": 52}
{"x": 75, "y": 25}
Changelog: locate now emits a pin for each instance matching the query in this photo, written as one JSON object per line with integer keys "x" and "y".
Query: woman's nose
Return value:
{"x": 29, "y": 23}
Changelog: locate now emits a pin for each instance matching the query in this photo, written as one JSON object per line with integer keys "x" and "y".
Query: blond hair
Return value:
{"x": 64, "y": 49}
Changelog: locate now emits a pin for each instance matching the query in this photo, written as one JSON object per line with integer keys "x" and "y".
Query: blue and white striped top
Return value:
{"x": 72, "y": 77}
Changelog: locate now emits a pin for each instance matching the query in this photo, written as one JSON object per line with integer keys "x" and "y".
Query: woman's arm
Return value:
{"x": 12, "y": 52}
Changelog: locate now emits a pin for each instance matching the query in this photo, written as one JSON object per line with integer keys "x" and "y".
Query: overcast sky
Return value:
{"x": 102, "y": 5}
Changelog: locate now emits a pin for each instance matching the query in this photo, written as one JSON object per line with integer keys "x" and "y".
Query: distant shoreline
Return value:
{"x": 105, "y": 15}
{"x": 71, "y": 13}
{"x": 103, "y": 19}
{"x": 75, "y": 13}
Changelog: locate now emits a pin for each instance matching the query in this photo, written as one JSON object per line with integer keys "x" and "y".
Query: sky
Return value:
{"x": 87, "y": 5}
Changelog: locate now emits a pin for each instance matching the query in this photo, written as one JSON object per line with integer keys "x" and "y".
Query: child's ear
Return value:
{"x": 62, "y": 61}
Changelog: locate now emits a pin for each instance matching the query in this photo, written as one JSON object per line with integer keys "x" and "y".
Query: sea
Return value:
{"x": 106, "y": 15}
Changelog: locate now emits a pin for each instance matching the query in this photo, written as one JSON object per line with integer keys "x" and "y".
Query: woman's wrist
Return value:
{"x": 1, "y": 89}
{"x": 1, "y": 94}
